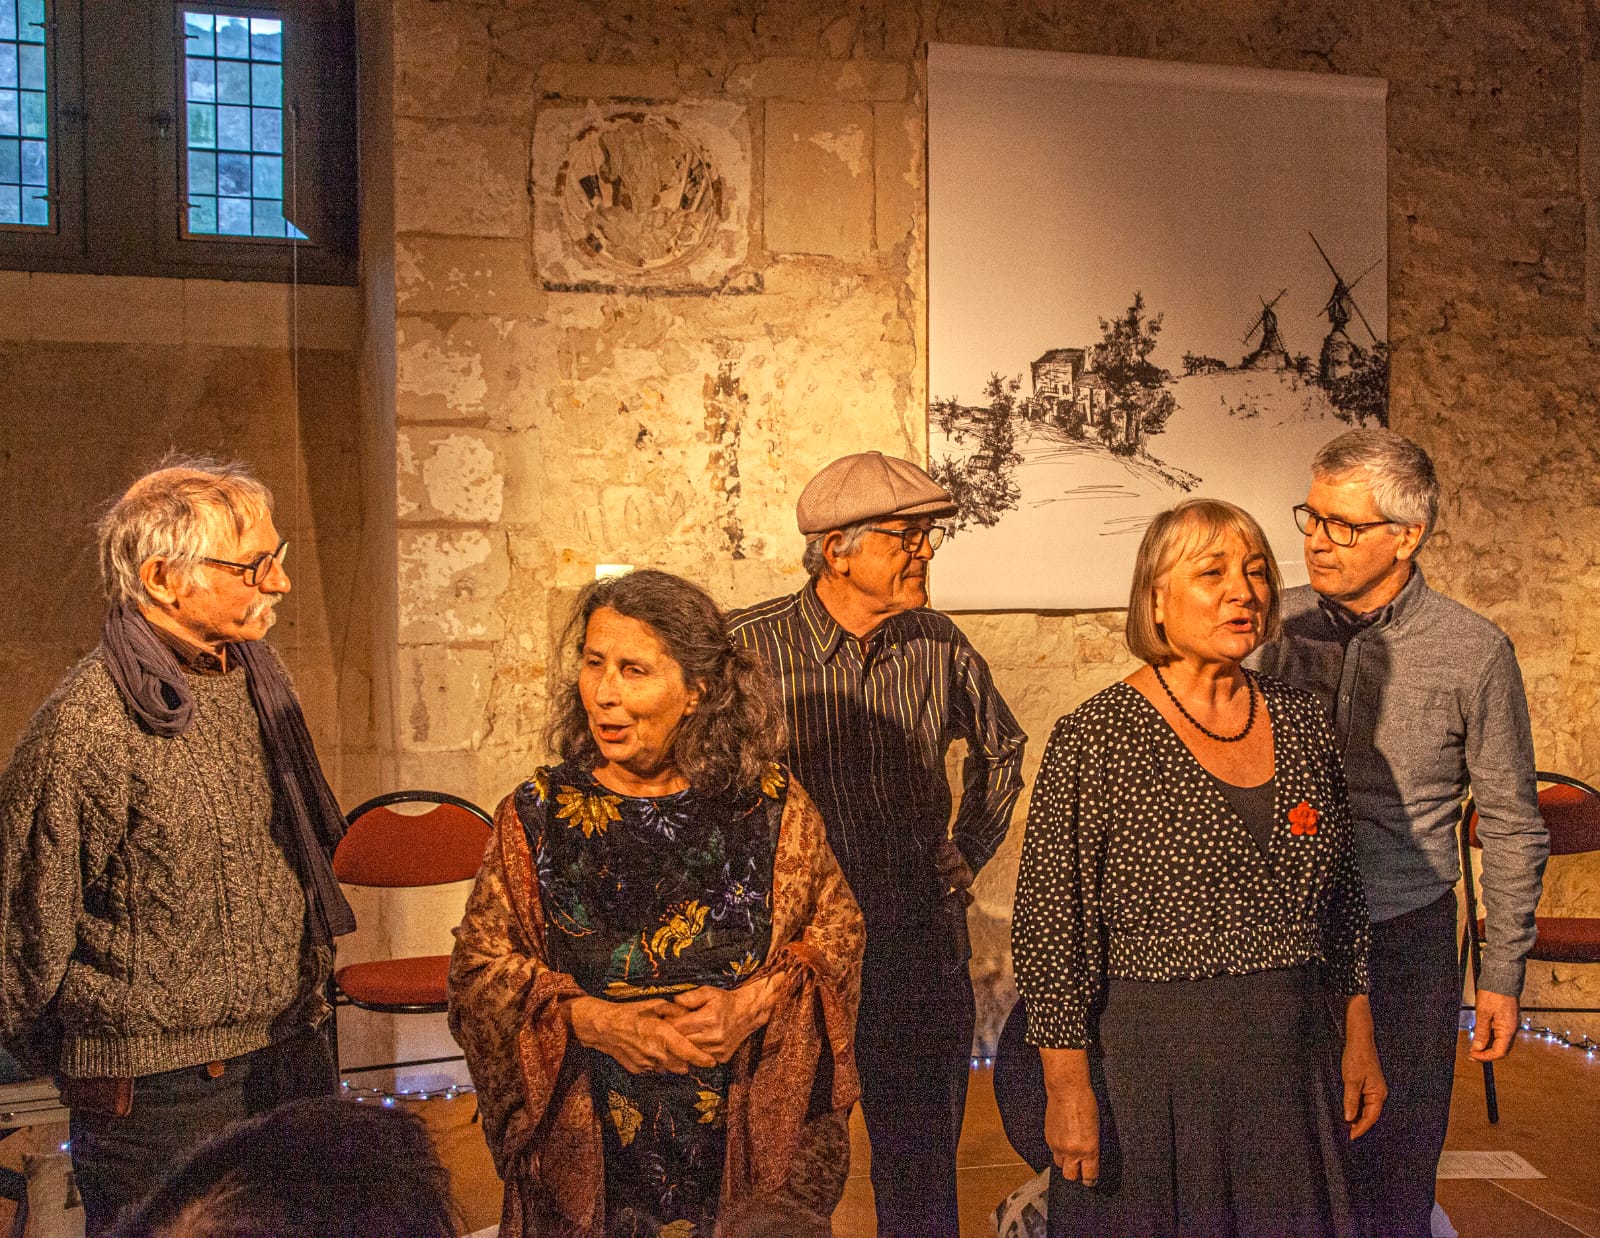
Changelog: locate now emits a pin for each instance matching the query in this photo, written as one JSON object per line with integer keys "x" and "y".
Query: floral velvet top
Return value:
{"x": 646, "y": 897}
{"x": 1135, "y": 865}
{"x": 650, "y": 896}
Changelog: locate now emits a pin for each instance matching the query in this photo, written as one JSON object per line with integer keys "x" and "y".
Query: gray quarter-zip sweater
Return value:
{"x": 1427, "y": 702}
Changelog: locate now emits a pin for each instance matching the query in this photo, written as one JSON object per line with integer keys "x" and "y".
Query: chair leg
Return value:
{"x": 1489, "y": 1096}
{"x": 331, "y": 994}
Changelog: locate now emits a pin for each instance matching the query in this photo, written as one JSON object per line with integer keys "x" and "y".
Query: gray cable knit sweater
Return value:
{"x": 148, "y": 919}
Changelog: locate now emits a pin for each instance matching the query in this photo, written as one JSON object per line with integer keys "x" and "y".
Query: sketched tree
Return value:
{"x": 1138, "y": 399}
{"x": 946, "y": 413}
{"x": 1362, "y": 395}
{"x": 984, "y": 484}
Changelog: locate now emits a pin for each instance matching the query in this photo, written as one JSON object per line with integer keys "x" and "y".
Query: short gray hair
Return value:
{"x": 816, "y": 563}
{"x": 175, "y": 512}
{"x": 1401, "y": 476}
{"x": 1191, "y": 527}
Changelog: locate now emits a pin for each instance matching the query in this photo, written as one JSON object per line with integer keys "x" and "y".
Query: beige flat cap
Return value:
{"x": 866, "y": 485}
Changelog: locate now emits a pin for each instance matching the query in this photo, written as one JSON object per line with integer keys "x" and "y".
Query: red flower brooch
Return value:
{"x": 1302, "y": 819}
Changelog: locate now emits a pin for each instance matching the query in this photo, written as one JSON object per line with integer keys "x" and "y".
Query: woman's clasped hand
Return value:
{"x": 701, "y": 1028}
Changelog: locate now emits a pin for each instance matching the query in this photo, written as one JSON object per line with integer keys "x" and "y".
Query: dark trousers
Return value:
{"x": 117, "y": 1160}
{"x": 914, "y": 1052}
{"x": 1416, "y": 1000}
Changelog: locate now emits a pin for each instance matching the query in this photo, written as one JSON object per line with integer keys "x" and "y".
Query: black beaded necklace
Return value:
{"x": 1249, "y": 687}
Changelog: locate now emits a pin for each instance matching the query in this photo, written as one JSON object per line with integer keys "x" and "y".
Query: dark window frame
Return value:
{"x": 64, "y": 131}
{"x": 115, "y": 132}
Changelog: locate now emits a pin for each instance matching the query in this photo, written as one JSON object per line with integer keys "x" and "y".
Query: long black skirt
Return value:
{"x": 1220, "y": 1112}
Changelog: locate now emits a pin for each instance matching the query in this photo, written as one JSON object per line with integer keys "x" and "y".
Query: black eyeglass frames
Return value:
{"x": 911, "y": 539}
{"x": 259, "y": 568}
{"x": 1340, "y": 532}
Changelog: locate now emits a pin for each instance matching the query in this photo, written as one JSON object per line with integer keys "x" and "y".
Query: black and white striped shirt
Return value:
{"x": 869, "y": 725}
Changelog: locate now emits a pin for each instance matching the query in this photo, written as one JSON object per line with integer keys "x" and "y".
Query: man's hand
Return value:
{"x": 954, "y": 875}
{"x": 1495, "y": 1030}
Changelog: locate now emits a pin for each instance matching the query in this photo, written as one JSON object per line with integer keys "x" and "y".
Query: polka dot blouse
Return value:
{"x": 1134, "y": 865}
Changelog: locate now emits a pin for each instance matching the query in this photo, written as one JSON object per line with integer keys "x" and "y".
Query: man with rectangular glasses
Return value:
{"x": 1427, "y": 703}
{"x": 876, "y": 688}
{"x": 167, "y": 904}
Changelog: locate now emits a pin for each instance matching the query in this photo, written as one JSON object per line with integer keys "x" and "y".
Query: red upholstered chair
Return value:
{"x": 1571, "y": 811}
{"x": 385, "y": 848}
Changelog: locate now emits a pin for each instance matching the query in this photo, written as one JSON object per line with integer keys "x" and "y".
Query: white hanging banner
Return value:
{"x": 1147, "y": 282}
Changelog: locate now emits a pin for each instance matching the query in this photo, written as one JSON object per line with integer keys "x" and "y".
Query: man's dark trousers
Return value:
{"x": 1416, "y": 1002}
{"x": 117, "y": 1160}
{"x": 914, "y": 1052}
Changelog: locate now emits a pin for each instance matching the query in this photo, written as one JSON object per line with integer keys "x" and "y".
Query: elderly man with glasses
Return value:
{"x": 876, "y": 688}
{"x": 167, "y": 905}
{"x": 1427, "y": 703}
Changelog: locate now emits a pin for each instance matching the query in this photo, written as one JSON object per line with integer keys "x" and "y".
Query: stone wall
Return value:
{"x": 99, "y": 378}
{"x": 565, "y": 398}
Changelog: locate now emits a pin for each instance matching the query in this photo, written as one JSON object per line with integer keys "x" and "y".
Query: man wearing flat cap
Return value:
{"x": 876, "y": 688}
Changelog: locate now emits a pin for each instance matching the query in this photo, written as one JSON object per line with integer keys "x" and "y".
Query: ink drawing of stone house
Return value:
{"x": 1067, "y": 392}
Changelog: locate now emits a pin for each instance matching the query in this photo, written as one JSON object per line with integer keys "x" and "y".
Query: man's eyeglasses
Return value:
{"x": 911, "y": 539}
{"x": 259, "y": 568}
{"x": 1340, "y": 532}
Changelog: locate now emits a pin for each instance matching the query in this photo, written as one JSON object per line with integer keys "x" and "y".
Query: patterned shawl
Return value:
{"x": 538, "y": 1112}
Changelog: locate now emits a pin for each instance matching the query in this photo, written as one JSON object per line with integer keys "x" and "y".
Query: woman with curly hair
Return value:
{"x": 656, "y": 980}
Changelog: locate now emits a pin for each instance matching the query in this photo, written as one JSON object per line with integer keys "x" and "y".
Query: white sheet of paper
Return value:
{"x": 1485, "y": 1165}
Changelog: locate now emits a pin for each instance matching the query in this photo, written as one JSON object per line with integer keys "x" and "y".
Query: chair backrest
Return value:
{"x": 1571, "y": 812}
{"x": 382, "y": 847}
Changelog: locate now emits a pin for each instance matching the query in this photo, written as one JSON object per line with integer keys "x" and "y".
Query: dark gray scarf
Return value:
{"x": 307, "y": 819}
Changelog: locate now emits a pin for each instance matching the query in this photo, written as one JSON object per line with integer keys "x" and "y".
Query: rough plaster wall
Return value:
{"x": 100, "y": 377}
{"x": 543, "y": 432}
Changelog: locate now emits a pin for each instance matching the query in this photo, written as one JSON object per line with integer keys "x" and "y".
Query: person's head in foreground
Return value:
{"x": 308, "y": 1169}
{"x": 662, "y": 698}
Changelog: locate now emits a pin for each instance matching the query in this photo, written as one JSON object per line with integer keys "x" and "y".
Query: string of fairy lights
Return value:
{"x": 389, "y": 1097}
{"x": 1565, "y": 1037}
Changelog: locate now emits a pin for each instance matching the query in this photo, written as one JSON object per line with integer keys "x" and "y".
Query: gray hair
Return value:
{"x": 1400, "y": 475}
{"x": 176, "y": 513}
{"x": 816, "y": 563}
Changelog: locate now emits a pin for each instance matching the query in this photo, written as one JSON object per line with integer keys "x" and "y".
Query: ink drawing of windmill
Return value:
{"x": 1339, "y": 352}
{"x": 1270, "y": 354}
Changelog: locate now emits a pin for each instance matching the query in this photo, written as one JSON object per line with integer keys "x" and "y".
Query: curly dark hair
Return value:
{"x": 736, "y": 731}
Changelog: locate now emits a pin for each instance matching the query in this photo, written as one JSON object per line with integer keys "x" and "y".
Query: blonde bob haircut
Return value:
{"x": 1190, "y": 528}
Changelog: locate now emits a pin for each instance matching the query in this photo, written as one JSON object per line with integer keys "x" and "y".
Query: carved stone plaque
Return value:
{"x": 635, "y": 197}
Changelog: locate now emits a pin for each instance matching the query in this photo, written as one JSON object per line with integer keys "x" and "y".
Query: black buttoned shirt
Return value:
{"x": 870, "y": 722}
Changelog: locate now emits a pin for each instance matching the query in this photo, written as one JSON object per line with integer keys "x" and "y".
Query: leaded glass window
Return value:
{"x": 25, "y": 198}
{"x": 233, "y": 125}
